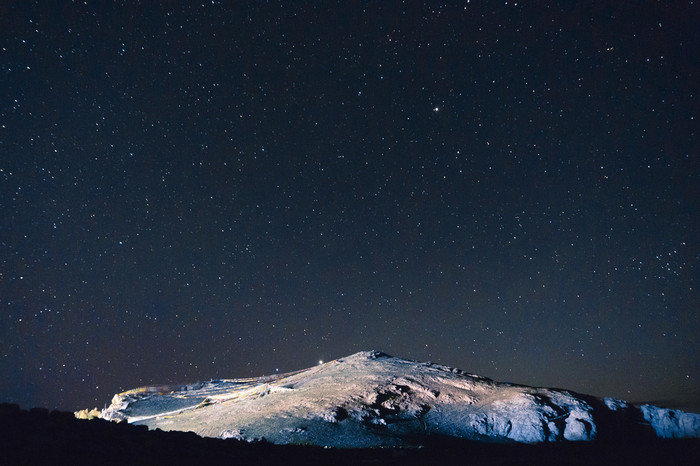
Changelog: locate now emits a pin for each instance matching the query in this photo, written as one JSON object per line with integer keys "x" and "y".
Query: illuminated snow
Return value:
{"x": 372, "y": 399}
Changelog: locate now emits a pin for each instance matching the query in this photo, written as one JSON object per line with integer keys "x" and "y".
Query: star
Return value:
{"x": 258, "y": 203}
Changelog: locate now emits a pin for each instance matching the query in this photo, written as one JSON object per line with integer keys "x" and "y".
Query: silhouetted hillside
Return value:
{"x": 38, "y": 436}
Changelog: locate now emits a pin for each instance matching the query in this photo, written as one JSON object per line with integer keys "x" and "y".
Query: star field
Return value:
{"x": 217, "y": 190}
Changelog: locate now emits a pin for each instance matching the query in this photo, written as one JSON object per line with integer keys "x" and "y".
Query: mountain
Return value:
{"x": 371, "y": 399}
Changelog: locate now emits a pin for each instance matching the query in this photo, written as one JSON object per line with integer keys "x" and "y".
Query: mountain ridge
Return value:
{"x": 371, "y": 399}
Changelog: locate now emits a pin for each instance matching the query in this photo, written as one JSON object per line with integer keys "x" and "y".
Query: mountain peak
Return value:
{"x": 373, "y": 399}
{"x": 374, "y": 354}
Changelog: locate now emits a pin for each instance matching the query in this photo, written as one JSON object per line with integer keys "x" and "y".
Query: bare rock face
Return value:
{"x": 372, "y": 399}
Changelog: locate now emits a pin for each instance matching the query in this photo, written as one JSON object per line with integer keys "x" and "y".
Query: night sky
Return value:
{"x": 220, "y": 190}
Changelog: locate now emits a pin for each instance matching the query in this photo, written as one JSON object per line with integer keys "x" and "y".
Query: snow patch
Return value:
{"x": 615, "y": 405}
{"x": 671, "y": 423}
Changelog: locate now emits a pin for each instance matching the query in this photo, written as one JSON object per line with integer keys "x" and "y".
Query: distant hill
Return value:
{"x": 371, "y": 399}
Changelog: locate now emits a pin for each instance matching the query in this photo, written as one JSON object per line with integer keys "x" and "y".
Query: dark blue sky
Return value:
{"x": 216, "y": 190}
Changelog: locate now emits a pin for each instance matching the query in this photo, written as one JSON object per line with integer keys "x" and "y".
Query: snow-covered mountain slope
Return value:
{"x": 372, "y": 399}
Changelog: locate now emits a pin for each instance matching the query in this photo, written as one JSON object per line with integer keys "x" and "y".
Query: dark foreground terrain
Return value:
{"x": 42, "y": 437}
